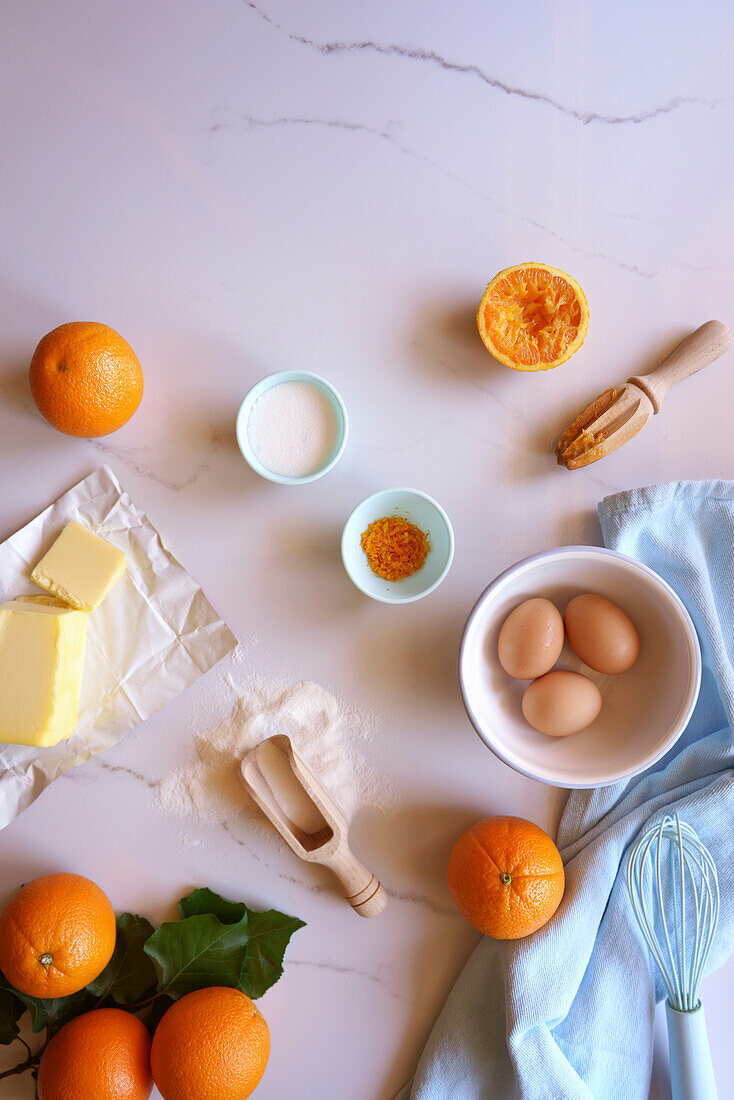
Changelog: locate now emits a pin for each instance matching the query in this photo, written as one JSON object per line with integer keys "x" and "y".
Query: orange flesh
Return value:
{"x": 532, "y": 317}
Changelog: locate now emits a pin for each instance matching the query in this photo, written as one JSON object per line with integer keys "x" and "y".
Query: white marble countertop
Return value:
{"x": 240, "y": 187}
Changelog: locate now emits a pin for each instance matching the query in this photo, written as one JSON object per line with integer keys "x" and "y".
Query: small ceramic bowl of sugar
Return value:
{"x": 292, "y": 427}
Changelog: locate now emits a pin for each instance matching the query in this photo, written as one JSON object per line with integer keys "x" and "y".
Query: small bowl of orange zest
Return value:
{"x": 397, "y": 545}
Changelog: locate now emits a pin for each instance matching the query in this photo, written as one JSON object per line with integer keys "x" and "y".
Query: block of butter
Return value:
{"x": 41, "y": 664}
{"x": 80, "y": 567}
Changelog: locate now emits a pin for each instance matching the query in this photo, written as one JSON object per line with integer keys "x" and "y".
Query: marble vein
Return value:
{"x": 423, "y": 900}
{"x": 427, "y": 352}
{"x": 250, "y": 122}
{"x": 226, "y": 119}
{"x": 312, "y": 887}
{"x": 337, "y": 968}
{"x": 223, "y": 118}
{"x": 431, "y": 57}
{"x": 20, "y": 398}
{"x": 327, "y": 887}
{"x": 111, "y": 769}
{"x": 128, "y": 459}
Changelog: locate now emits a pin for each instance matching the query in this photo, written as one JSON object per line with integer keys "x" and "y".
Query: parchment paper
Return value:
{"x": 149, "y": 640}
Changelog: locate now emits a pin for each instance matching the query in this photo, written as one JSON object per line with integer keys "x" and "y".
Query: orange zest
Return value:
{"x": 395, "y": 547}
{"x": 533, "y": 317}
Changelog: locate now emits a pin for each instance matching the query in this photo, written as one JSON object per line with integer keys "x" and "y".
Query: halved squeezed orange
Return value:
{"x": 533, "y": 317}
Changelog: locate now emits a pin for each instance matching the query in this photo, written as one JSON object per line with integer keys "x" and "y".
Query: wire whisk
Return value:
{"x": 674, "y": 890}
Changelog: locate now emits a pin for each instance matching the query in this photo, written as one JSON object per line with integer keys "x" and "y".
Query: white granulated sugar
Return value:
{"x": 327, "y": 736}
{"x": 293, "y": 429}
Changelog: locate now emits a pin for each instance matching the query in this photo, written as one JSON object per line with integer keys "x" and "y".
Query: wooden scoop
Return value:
{"x": 308, "y": 819}
{"x": 616, "y": 415}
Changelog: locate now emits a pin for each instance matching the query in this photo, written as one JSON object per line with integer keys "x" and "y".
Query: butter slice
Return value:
{"x": 80, "y": 567}
{"x": 41, "y": 664}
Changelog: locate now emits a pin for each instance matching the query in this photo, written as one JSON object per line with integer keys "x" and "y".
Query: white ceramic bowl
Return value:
{"x": 644, "y": 710}
{"x": 267, "y": 383}
{"x": 425, "y": 513}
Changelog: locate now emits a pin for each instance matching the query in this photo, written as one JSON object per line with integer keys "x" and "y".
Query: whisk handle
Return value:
{"x": 691, "y": 1071}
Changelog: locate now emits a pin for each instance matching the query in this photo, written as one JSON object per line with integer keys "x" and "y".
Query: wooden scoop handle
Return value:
{"x": 364, "y": 892}
{"x": 699, "y": 349}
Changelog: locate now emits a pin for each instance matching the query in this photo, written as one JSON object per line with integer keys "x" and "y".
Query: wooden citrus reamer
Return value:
{"x": 619, "y": 413}
{"x": 329, "y": 845}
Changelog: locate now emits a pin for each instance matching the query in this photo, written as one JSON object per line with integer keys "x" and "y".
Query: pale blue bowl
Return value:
{"x": 425, "y": 513}
{"x": 261, "y": 387}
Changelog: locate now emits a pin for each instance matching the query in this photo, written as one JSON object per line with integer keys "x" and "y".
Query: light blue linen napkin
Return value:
{"x": 568, "y": 1013}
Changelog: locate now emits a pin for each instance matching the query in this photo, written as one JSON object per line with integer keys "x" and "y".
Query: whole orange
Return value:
{"x": 85, "y": 379}
{"x": 56, "y": 935}
{"x": 211, "y": 1045}
{"x": 506, "y": 876}
{"x": 102, "y": 1055}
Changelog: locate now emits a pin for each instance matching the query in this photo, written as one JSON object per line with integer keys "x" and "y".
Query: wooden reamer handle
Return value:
{"x": 363, "y": 890}
{"x": 699, "y": 349}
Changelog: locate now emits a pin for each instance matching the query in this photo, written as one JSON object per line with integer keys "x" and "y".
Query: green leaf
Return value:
{"x": 220, "y": 942}
{"x": 130, "y": 973}
{"x": 51, "y": 1012}
{"x": 197, "y": 952}
{"x": 57, "y": 1010}
{"x": 270, "y": 934}
{"x": 268, "y": 938}
{"x": 206, "y": 901}
{"x": 11, "y": 1010}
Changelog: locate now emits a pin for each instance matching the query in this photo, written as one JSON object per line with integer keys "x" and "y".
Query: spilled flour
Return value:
{"x": 329, "y": 737}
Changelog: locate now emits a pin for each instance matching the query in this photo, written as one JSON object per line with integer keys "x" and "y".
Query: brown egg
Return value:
{"x": 561, "y": 703}
{"x": 531, "y": 639}
{"x": 601, "y": 634}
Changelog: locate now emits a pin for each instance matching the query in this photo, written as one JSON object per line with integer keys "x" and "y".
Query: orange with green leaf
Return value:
{"x": 101, "y": 1055}
{"x": 220, "y": 948}
{"x": 56, "y": 935}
